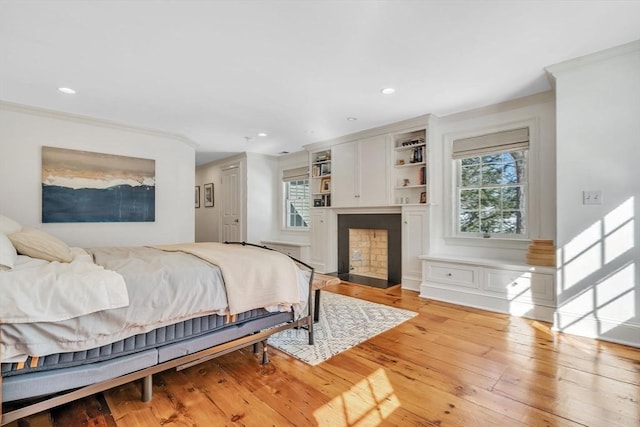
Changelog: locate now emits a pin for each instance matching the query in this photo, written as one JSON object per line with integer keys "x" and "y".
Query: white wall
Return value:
{"x": 23, "y": 131}
{"x": 537, "y": 112}
{"x": 260, "y": 183}
{"x": 262, "y": 196}
{"x": 598, "y": 148}
{"x": 207, "y": 219}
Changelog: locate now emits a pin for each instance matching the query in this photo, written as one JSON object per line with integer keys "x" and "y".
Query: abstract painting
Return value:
{"x": 81, "y": 186}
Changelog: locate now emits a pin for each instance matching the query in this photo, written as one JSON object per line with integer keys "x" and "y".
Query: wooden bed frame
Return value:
{"x": 179, "y": 363}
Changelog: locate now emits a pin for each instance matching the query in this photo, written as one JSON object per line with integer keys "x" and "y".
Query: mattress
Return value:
{"x": 156, "y": 338}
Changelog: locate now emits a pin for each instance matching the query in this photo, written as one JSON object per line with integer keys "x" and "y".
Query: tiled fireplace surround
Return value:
{"x": 374, "y": 237}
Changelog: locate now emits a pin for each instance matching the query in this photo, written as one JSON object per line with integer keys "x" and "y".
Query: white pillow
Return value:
{"x": 38, "y": 244}
{"x": 8, "y": 226}
{"x": 8, "y": 254}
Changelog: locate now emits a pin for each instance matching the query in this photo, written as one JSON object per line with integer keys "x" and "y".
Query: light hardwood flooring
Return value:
{"x": 448, "y": 366}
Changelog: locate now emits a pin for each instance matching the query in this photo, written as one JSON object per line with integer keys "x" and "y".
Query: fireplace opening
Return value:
{"x": 369, "y": 249}
{"x": 368, "y": 252}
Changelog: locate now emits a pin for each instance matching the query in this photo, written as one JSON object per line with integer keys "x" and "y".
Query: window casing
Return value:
{"x": 296, "y": 202}
{"x": 296, "y": 198}
{"x": 491, "y": 196}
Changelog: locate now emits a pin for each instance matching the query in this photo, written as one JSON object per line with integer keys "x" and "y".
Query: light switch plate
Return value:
{"x": 591, "y": 197}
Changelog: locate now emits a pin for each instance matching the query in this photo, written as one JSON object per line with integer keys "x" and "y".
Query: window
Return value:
{"x": 492, "y": 184}
{"x": 296, "y": 198}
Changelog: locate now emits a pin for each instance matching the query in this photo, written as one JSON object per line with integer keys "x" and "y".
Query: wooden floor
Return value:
{"x": 448, "y": 366}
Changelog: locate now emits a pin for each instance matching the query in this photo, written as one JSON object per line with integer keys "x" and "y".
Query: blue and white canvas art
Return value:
{"x": 81, "y": 186}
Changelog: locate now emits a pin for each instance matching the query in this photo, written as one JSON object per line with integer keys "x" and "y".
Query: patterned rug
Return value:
{"x": 344, "y": 323}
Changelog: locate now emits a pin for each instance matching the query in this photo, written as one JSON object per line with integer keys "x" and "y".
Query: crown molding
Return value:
{"x": 77, "y": 118}
{"x": 625, "y": 49}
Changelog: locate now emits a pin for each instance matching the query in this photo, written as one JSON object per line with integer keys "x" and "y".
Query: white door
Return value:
{"x": 231, "y": 221}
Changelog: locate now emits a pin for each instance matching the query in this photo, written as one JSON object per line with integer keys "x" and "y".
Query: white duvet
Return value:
{"x": 42, "y": 291}
{"x": 162, "y": 287}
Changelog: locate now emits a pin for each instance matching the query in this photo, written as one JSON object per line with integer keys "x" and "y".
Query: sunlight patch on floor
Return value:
{"x": 367, "y": 403}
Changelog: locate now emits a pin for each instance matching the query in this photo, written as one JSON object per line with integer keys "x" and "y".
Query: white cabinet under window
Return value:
{"x": 299, "y": 251}
{"x": 361, "y": 173}
{"x": 517, "y": 289}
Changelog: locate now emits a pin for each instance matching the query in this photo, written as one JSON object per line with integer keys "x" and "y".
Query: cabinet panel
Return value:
{"x": 510, "y": 284}
{"x": 519, "y": 285}
{"x": 373, "y": 172}
{"x": 542, "y": 287}
{"x": 319, "y": 229}
{"x": 344, "y": 174}
{"x": 414, "y": 244}
{"x": 361, "y": 173}
{"x": 453, "y": 274}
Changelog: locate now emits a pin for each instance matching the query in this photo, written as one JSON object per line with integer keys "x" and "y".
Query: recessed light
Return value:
{"x": 67, "y": 90}
{"x": 352, "y": 119}
{"x": 262, "y": 134}
{"x": 387, "y": 90}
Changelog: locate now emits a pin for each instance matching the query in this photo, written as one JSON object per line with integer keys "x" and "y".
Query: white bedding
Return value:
{"x": 163, "y": 288}
{"x": 254, "y": 277}
{"x": 41, "y": 291}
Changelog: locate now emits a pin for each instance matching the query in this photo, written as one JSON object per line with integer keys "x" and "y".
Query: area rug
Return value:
{"x": 344, "y": 323}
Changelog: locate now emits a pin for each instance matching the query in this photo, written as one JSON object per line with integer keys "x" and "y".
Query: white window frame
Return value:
{"x": 450, "y": 200}
{"x": 524, "y": 185}
{"x": 288, "y": 174}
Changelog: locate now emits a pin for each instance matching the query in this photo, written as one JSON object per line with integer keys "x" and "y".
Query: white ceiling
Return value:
{"x": 220, "y": 71}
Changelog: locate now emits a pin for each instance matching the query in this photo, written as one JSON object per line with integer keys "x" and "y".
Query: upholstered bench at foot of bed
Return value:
{"x": 320, "y": 281}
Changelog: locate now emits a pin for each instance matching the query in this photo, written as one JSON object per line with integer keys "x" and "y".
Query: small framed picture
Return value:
{"x": 325, "y": 185}
{"x": 423, "y": 197}
{"x": 197, "y": 196}
{"x": 208, "y": 195}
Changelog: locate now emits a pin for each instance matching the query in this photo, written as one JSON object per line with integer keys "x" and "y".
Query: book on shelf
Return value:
{"x": 422, "y": 176}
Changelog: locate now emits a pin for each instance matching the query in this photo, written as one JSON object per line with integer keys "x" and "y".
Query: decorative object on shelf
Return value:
{"x": 413, "y": 141}
{"x": 423, "y": 197}
{"x": 197, "y": 196}
{"x": 317, "y": 203}
{"x": 541, "y": 252}
{"x": 416, "y": 155}
{"x": 208, "y": 195}
{"x": 406, "y": 182}
{"x": 400, "y": 162}
{"x": 325, "y": 185}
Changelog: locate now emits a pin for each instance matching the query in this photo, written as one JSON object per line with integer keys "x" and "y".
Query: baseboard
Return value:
{"x": 490, "y": 303}
{"x": 411, "y": 283}
{"x": 602, "y": 329}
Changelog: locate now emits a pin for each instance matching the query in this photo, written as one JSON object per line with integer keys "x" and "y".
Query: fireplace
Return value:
{"x": 369, "y": 249}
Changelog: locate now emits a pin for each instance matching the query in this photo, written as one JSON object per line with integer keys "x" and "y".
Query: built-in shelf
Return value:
{"x": 321, "y": 178}
{"x": 410, "y": 167}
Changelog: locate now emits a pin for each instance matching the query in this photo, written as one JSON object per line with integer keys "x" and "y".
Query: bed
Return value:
{"x": 116, "y": 315}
